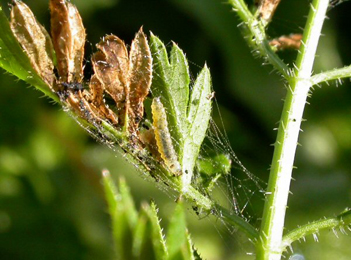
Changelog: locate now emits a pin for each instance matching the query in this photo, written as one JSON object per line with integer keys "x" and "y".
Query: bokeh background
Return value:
{"x": 51, "y": 200}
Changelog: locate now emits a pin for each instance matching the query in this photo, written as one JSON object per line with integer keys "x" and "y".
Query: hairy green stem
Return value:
{"x": 257, "y": 37}
{"x": 340, "y": 221}
{"x": 270, "y": 240}
{"x": 335, "y": 74}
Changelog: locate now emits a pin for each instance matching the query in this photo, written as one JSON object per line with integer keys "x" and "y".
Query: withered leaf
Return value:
{"x": 34, "y": 39}
{"x": 140, "y": 76}
{"x": 111, "y": 67}
{"x": 68, "y": 36}
{"x": 96, "y": 98}
{"x": 292, "y": 41}
{"x": 80, "y": 106}
{"x": 267, "y": 9}
{"x": 124, "y": 77}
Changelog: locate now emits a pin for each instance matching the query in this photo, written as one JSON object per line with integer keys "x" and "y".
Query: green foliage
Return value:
{"x": 139, "y": 235}
{"x": 138, "y": 225}
{"x": 188, "y": 117}
{"x": 212, "y": 168}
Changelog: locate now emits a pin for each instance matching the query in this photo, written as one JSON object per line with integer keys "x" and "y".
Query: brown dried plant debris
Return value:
{"x": 267, "y": 8}
{"x": 140, "y": 78}
{"x": 68, "y": 36}
{"x": 111, "y": 68}
{"x": 125, "y": 77}
{"x": 34, "y": 40}
{"x": 292, "y": 41}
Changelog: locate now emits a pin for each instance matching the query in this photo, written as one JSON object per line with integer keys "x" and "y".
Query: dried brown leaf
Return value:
{"x": 267, "y": 9}
{"x": 292, "y": 41}
{"x": 96, "y": 98}
{"x": 111, "y": 67}
{"x": 140, "y": 76}
{"x": 34, "y": 39}
{"x": 68, "y": 36}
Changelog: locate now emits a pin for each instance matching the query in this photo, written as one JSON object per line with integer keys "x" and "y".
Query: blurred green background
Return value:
{"x": 51, "y": 200}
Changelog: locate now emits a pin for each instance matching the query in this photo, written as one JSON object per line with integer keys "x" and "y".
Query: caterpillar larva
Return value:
{"x": 163, "y": 137}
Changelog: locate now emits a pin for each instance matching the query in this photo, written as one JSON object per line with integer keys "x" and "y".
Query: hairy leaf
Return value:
{"x": 111, "y": 68}
{"x": 199, "y": 115}
{"x": 16, "y": 61}
{"x": 171, "y": 83}
{"x": 158, "y": 240}
{"x": 68, "y": 35}
{"x": 34, "y": 39}
{"x": 123, "y": 214}
{"x": 177, "y": 239}
{"x": 140, "y": 235}
{"x": 140, "y": 75}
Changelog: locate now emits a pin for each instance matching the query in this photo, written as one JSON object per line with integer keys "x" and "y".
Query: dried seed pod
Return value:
{"x": 292, "y": 41}
{"x": 68, "y": 36}
{"x": 267, "y": 8}
{"x": 140, "y": 76}
{"x": 34, "y": 39}
{"x": 163, "y": 137}
{"x": 111, "y": 68}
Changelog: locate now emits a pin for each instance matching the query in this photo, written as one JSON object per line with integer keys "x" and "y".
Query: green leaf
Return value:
{"x": 139, "y": 235}
{"x": 158, "y": 241}
{"x": 171, "y": 83}
{"x": 121, "y": 210}
{"x": 213, "y": 164}
{"x": 199, "y": 115}
{"x": 128, "y": 203}
{"x": 194, "y": 255}
{"x": 177, "y": 245}
{"x": 14, "y": 59}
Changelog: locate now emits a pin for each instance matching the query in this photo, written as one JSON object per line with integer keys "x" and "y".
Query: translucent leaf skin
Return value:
{"x": 171, "y": 83}
{"x": 125, "y": 77}
{"x": 34, "y": 39}
{"x": 16, "y": 61}
{"x": 111, "y": 68}
{"x": 68, "y": 36}
{"x": 140, "y": 76}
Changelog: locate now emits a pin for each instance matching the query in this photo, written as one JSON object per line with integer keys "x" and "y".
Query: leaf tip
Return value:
{"x": 106, "y": 173}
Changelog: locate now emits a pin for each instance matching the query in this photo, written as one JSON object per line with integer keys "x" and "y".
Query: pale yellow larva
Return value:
{"x": 163, "y": 137}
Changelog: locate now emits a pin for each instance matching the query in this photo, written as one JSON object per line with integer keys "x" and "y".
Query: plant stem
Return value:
{"x": 205, "y": 204}
{"x": 257, "y": 37}
{"x": 335, "y": 74}
{"x": 340, "y": 221}
{"x": 270, "y": 240}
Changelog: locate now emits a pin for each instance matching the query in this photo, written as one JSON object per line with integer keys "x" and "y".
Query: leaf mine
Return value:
{"x": 111, "y": 67}
{"x": 34, "y": 40}
{"x": 140, "y": 76}
{"x": 68, "y": 36}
